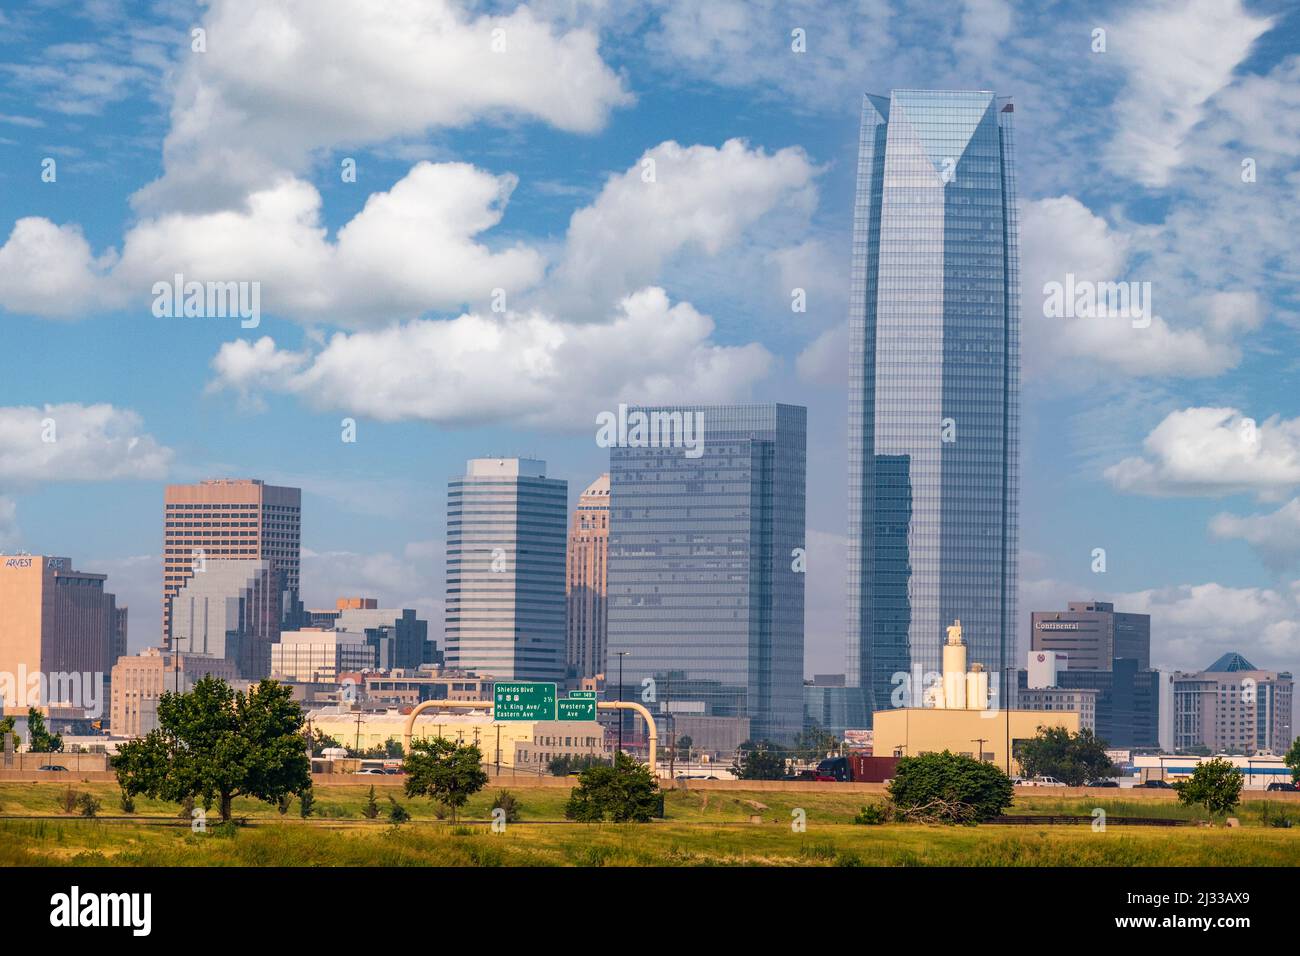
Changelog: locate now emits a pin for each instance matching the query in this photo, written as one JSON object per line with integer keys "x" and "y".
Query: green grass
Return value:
{"x": 703, "y": 828}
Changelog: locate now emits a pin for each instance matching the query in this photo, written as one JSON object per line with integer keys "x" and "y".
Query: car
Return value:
{"x": 1043, "y": 782}
{"x": 372, "y": 771}
{"x": 1157, "y": 785}
{"x": 53, "y": 768}
{"x": 393, "y": 770}
{"x": 1103, "y": 783}
{"x": 1283, "y": 787}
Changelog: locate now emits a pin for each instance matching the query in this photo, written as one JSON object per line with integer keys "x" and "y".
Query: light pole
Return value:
{"x": 621, "y": 655}
{"x": 979, "y": 754}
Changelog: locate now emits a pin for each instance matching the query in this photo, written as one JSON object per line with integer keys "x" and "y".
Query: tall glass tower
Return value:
{"x": 934, "y": 386}
{"x": 706, "y": 577}
{"x": 505, "y": 570}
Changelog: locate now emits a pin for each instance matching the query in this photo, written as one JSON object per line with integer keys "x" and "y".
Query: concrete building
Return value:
{"x": 1233, "y": 707}
{"x": 230, "y": 519}
{"x": 58, "y": 634}
{"x": 120, "y": 633}
{"x": 1092, "y": 634}
{"x": 586, "y": 581}
{"x": 397, "y": 634}
{"x": 139, "y": 680}
{"x": 505, "y": 602}
{"x": 706, "y": 561}
{"x": 231, "y": 610}
{"x": 960, "y": 715}
{"x": 1082, "y": 701}
{"x": 406, "y": 689}
{"x": 934, "y": 386}
{"x": 320, "y": 656}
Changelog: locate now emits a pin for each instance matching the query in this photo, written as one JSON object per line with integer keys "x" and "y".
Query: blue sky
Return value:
{"x": 505, "y": 147}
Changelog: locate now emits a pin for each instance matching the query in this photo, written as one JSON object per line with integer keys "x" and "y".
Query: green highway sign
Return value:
{"x": 523, "y": 700}
{"x": 582, "y": 695}
{"x": 576, "y": 708}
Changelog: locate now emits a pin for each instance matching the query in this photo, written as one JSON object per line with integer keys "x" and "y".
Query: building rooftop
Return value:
{"x": 1230, "y": 663}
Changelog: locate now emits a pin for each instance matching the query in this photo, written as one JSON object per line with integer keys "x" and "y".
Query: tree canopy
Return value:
{"x": 40, "y": 740}
{"x": 1073, "y": 759}
{"x": 949, "y": 788}
{"x": 758, "y": 761}
{"x": 624, "y": 793}
{"x": 445, "y": 771}
{"x": 1215, "y": 784}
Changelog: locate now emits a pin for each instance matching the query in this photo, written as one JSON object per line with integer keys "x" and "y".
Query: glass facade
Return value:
{"x": 705, "y": 585}
{"x": 505, "y": 570}
{"x": 934, "y": 386}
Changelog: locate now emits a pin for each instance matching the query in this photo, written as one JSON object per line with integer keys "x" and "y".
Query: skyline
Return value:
{"x": 1103, "y": 462}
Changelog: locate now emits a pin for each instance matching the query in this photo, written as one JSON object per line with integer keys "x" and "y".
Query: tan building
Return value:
{"x": 138, "y": 682}
{"x": 232, "y": 518}
{"x": 1233, "y": 707}
{"x": 586, "y": 581}
{"x": 316, "y": 655}
{"x": 57, "y": 635}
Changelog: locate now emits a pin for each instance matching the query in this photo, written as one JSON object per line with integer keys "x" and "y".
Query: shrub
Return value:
{"x": 88, "y": 805}
{"x": 126, "y": 802}
{"x": 505, "y": 800}
{"x": 306, "y": 803}
{"x": 873, "y": 814}
{"x": 371, "y": 810}
{"x": 68, "y": 800}
{"x": 396, "y": 812}
{"x": 623, "y": 793}
{"x": 948, "y": 788}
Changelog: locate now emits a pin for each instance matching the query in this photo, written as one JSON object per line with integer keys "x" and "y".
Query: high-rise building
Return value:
{"x": 319, "y": 656}
{"x": 140, "y": 679}
{"x": 1092, "y": 634}
{"x": 586, "y": 580}
{"x": 1233, "y": 707}
{"x": 57, "y": 635}
{"x": 706, "y": 585}
{"x": 119, "y": 633}
{"x": 397, "y": 635}
{"x": 231, "y": 610}
{"x": 229, "y": 518}
{"x": 934, "y": 391}
{"x": 505, "y": 570}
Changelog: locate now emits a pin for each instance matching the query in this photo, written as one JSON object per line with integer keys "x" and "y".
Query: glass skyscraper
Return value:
{"x": 506, "y": 524}
{"x": 934, "y": 386}
{"x": 705, "y": 576}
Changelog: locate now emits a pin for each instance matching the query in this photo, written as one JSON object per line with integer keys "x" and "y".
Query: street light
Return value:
{"x": 621, "y": 655}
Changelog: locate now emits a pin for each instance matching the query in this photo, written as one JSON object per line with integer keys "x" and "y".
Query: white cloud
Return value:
{"x": 529, "y": 368}
{"x": 1061, "y": 236}
{"x": 1214, "y": 451}
{"x": 50, "y": 270}
{"x": 412, "y": 577}
{"x": 702, "y": 199}
{"x": 1178, "y": 54}
{"x": 825, "y": 361}
{"x": 279, "y": 82}
{"x": 71, "y": 442}
{"x": 9, "y": 533}
{"x": 1275, "y": 536}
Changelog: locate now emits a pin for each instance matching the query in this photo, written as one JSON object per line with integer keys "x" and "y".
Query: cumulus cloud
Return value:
{"x": 1274, "y": 537}
{"x": 408, "y": 577}
{"x": 72, "y": 442}
{"x": 673, "y": 198}
{"x": 1178, "y": 54}
{"x": 526, "y": 367}
{"x": 1213, "y": 451}
{"x": 50, "y": 270}
{"x": 281, "y": 81}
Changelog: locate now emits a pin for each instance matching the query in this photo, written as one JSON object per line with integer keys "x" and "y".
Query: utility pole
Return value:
{"x": 498, "y": 750}
{"x": 358, "y": 732}
{"x": 621, "y": 655}
{"x": 979, "y": 754}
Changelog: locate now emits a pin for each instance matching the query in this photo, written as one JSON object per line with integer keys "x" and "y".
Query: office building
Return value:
{"x": 586, "y": 581}
{"x": 1233, "y": 707}
{"x": 229, "y": 519}
{"x": 1091, "y": 634}
{"x": 140, "y": 680}
{"x": 319, "y": 656}
{"x": 1082, "y": 701}
{"x": 706, "y": 585}
{"x": 397, "y": 634}
{"x": 231, "y": 610}
{"x": 120, "y": 633}
{"x": 934, "y": 390}
{"x": 505, "y": 570}
{"x": 58, "y": 632}
{"x": 830, "y": 705}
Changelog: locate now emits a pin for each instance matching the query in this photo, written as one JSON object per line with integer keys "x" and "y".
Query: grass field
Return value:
{"x": 701, "y": 828}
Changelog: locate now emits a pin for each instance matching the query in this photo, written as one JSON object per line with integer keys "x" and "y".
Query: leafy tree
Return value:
{"x": 1215, "y": 784}
{"x": 8, "y": 726}
{"x": 1073, "y": 759}
{"x": 320, "y": 742}
{"x": 371, "y": 809}
{"x": 507, "y": 801}
{"x": 445, "y": 771}
{"x": 40, "y": 740}
{"x": 949, "y": 788}
{"x": 1292, "y": 760}
{"x": 624, "y": 793}
{"x": 758, "y": 761}
{"x": 215, "y": 744}
{"x": 566, "y": 764}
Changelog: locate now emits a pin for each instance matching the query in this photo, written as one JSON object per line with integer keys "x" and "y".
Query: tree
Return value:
{"x": 215, "y": 744}
{"x": 396, "y": 812}
{"x": 566, "y": 764}
{"x": 758, "y": 761}
{"x": 7, "y": 726}
{"x": 39, "y": 740}
{"x": 815, "y": 743}
{"x": 320, "y": 742}
{"x": 507, "y": 801}
{"x": 949, "y": 788}
{"x": 1215, "y": 784}
{"x": 684, "y": 745}
{"x": 371, "y": 810}
{"x": 1073, "y": 759}
{"x": 1292, "y": 760}
{"x": 445, "y": 771}
{"x": 306, "y": 803}
{"x": 624, "y": 793}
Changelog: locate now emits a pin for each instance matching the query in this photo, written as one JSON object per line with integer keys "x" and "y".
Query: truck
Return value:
{"x": 856, "y": 768}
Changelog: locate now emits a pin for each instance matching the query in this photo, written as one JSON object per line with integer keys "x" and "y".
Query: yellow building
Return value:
{"x": 958, "y": 718}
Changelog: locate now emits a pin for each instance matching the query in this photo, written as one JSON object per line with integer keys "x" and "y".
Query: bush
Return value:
{"x": 88, "y": 805}
{"x": 68, "y": 800}
{"x": 396, "y": 812}
{"x": 623, "y": 793}
{"x": 126, "y": 802}
{"x": 371, "y": 810}
{"x": 873, "y": 814}
{"x": 306, "y": 803}
{"x": 507, "y": 801}
{"x": 948, "y": 788}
